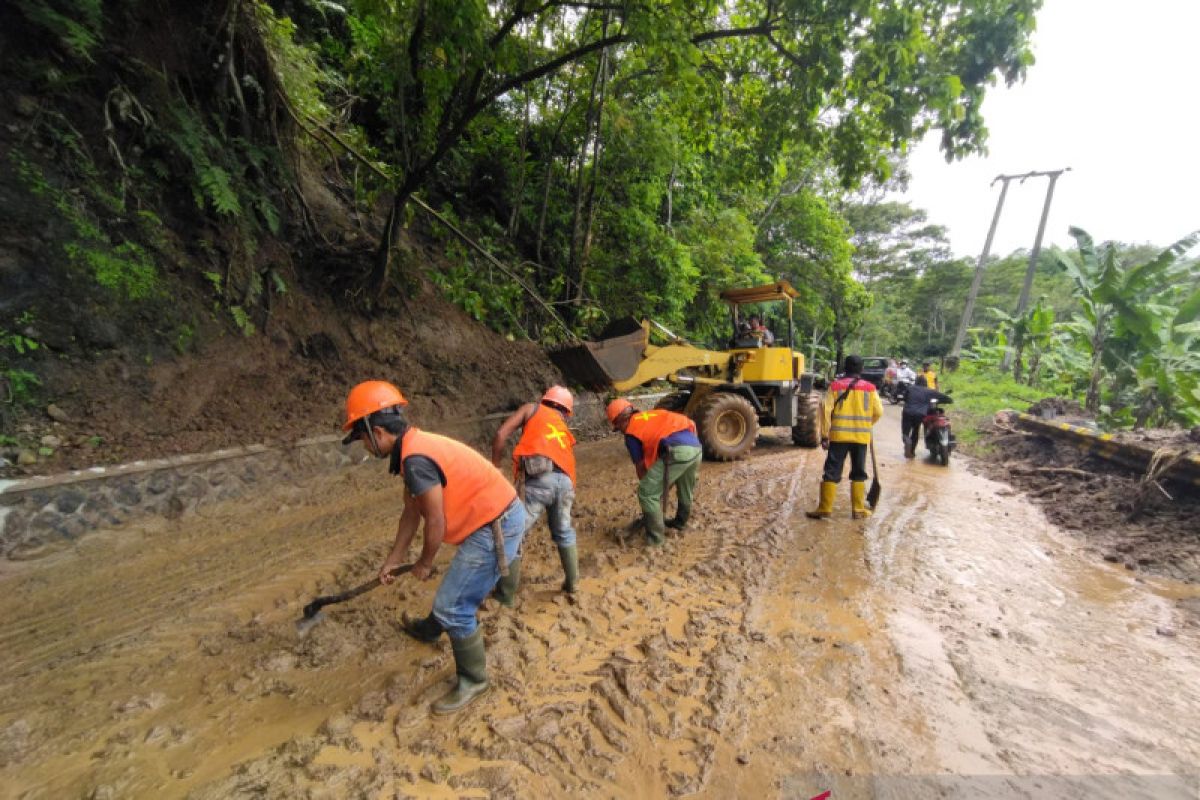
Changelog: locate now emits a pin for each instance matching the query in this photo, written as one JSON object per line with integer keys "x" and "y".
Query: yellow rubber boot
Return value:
{"x": 825, "y": 507}
{"x": 858, "y": 500}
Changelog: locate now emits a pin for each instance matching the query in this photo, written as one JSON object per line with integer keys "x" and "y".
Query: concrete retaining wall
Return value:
{"x": 1130, "y": 454}
{"x": 39, "y": 515}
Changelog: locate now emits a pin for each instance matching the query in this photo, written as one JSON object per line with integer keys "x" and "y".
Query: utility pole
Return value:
{"x": 978, "y": 279}
{"x": 1027, "y": 288}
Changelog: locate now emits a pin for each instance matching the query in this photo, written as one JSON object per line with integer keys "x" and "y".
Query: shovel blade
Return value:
{"x": 306, "y": 624}
{"x": 873, "y": 494}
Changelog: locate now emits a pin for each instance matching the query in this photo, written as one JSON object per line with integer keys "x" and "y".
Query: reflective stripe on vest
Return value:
{"x": 851, "y": 420}
{"x": 651, "y": 427}
{"x": 546, "y": 434}
{"x": 475, "y": 492}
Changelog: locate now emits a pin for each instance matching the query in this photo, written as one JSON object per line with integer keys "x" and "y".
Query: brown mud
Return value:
{"x": 287, "y": 384}
{"x": 1143, "y": 526}
{"x": 957, "y": 644}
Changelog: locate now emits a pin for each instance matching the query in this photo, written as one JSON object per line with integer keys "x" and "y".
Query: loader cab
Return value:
{"x": 759, "y": 363}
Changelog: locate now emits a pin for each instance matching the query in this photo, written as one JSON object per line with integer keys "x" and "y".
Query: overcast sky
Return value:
{"x": 1115, "y": 95}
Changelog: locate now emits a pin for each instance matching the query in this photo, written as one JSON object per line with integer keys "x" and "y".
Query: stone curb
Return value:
{"x": 39, "y": 515}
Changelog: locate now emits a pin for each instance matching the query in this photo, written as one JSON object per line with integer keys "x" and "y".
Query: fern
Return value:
{"x": 218, "y": 191}
{"x": 75, "y": 23}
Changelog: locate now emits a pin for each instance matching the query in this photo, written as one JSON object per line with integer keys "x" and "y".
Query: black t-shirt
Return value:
{"x": 917, "y": 401}
{"x": 421, "y": 473}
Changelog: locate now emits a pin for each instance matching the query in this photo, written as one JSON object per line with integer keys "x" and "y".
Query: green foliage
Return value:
{"x": 125, "y": 268}
{"x": 1137, "y": 321}
{"x": 75, "y": 24}
{"x": 17, "y": 384}
{"x": 980, "y": 391}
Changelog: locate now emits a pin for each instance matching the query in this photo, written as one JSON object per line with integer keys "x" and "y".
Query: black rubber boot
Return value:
{"x": 506, "y": 589}
{"x": 423, "y": 630}
{"x": 470, "y": 662}
{"x": 569, "y": 557}
{"x": 679, "y": 521}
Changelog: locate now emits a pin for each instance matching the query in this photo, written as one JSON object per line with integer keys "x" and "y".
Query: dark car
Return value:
{"x": 873, "y": 369}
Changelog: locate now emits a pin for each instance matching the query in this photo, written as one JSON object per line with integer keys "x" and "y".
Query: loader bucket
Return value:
{"x": 615, "y": 357}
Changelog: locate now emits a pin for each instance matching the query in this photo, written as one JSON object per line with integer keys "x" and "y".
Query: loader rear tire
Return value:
{"x": 728, "y": 426}
{"x": 807, "y": 430}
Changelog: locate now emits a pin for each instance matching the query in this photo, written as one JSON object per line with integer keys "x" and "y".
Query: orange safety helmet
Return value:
{"x": 616, "y": 408}
{"x": 560, "y": 396}
{"x": 368, "y": 397}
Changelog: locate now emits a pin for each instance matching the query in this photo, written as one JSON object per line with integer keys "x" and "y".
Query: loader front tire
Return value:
{"x": 807, "y": 430}
{"x": 728, "y": 426}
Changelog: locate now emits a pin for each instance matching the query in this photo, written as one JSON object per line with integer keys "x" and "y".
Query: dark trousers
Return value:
{"x": 837, "y": 457}
{"x": 910, "y": 428}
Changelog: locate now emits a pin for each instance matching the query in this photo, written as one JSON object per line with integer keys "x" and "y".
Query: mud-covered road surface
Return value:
{"x": 955, "y": 645}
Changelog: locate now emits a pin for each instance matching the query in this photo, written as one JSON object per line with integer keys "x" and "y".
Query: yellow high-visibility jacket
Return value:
{"x": 852, "y": 419}
{"x": 930, "y": 379}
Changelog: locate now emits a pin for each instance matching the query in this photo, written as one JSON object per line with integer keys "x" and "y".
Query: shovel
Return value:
{"x": 873, "y": 492}
{"x": 312, "y": 615}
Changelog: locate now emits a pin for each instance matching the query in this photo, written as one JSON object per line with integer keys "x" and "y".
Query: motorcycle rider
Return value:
{"x": 916, "y": 406}
{"x": 905, "y": 374}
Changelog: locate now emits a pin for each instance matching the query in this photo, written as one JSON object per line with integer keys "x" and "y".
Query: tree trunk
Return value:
{"x": 519, "y": 195}
{"x": 548, "y": 182}
{"x": 1092, "y": 401}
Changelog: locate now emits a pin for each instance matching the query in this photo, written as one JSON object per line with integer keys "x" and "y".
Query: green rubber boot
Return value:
{"x": 506, "y": 589}
{"x": 655, "y": 528}
{"x": 470, "y": 662}
{"x": 569, "y": 557}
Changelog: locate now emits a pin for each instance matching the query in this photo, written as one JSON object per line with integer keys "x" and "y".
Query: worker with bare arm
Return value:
{"x": 849, "y": 410}
{"x": 462, "y": 500}
{"x": 666, "y": 453}
{"x": 544, "y": 465}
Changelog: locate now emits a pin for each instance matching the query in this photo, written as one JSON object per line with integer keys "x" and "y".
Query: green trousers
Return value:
{"x": 685, "y": 467}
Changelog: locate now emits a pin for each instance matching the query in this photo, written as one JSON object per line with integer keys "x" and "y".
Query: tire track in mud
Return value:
{"x": 628, "y": 691}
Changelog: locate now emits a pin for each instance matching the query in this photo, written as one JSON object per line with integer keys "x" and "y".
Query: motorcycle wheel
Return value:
{"x": 943, "y": 455}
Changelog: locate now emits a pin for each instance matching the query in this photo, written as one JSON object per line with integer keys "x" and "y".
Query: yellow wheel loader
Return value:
{"x": 729, "y": 393}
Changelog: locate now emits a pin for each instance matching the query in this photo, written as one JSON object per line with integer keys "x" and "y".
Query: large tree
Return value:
{"x": 851, "y": 79}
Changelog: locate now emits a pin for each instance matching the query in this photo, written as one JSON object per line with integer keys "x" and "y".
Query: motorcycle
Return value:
{"x": 939, "y": 438}
{"x": 895, "y": 393}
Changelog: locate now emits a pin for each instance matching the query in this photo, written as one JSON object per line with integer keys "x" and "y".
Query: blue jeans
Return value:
{"x": 554, "y": 492}
{"x": 474, "y": 572}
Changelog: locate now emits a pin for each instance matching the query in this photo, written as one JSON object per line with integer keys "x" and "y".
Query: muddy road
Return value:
{"x": 954, "y": 645}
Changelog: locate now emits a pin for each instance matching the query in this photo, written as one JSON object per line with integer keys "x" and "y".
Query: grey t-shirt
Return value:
{"x": 421, "y": 473}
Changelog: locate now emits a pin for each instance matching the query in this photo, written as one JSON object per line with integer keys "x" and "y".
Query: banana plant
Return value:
{"x": 1031, "y": 331}
{"x": 1124, "y": 308}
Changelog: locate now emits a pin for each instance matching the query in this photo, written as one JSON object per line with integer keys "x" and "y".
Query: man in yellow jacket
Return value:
{"x": 930, "y": 375}
{"x": 849, "y": 410}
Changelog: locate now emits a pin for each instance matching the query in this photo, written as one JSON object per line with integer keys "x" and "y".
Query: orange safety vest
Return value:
{"x": 651, "y": 427}
{"x": 475, "y": 492}
{"x": 546, "y": 434}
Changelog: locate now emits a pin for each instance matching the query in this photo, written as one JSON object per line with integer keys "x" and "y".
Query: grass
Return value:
{"x": 979, "y": 393}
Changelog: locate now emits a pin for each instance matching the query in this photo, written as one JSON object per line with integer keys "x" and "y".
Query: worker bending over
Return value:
{"x": 462, "y": 500}
{"x": 666, "y": 453}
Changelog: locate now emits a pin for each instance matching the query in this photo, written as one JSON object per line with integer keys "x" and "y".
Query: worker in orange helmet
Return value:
{"x": 462, "y": 500}
{"x": 666, "y": 452}
{"x": 544, "y": 466}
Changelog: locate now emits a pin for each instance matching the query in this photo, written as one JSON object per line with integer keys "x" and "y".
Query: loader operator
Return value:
{"x": 463, "y": 500}
{"x": 544, "y": 469}
{"x": 849, "y": 410}
{"x": 666, "y": 453}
